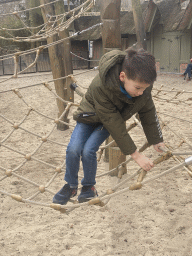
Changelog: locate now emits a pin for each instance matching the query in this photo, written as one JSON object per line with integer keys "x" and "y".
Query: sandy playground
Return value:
{"x": 153, "y": 221}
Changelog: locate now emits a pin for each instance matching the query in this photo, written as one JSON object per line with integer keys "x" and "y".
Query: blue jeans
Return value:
{"x": 188, "y": 70}
{"x": 84, "y": 143}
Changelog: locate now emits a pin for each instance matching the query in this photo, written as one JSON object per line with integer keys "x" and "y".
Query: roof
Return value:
{"x": 169, "y": 13}
{"x": 85, "y": 22}
{"x": 186, "y": 21}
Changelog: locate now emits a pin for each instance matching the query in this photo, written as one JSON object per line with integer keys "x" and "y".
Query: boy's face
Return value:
{"x": 133, "y": 87}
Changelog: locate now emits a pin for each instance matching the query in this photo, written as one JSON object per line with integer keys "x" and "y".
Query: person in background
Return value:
{"x": 188, "y": 71}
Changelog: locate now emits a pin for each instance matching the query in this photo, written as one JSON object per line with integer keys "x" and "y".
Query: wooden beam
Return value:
{"x": 150, "y": 16}
{"x": 110, "y": 17}
{"x": 139, "y": 24}
{"x": 111, "y": 38}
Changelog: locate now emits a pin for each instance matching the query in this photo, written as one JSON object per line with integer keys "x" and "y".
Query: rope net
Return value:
{"x": 33, "y": 150}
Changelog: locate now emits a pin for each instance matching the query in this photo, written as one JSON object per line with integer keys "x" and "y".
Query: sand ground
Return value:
{"x": 153, "y": 221}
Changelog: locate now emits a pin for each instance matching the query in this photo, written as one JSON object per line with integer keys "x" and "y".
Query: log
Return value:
{"x": 116, "y": 157}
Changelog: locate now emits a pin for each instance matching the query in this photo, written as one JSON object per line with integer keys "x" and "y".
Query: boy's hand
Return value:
{"x": 143, "y": 161}
{"x": 158, "y": 146}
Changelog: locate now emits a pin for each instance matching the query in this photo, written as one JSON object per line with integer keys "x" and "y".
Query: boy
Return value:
{"x": 121, "y": 89}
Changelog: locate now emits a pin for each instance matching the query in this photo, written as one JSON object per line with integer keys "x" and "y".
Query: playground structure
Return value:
{"x": 17, "y": 131}
{"x": 40, "y": 153}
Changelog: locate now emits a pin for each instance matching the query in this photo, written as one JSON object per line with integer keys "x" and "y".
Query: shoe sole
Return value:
{"x": 84, "y": 200}
{"x": 58, "y": 202}
{"x": 61, "y": 203}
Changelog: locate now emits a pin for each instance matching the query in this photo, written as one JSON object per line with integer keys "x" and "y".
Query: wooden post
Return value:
{"x": 68, "y": 93}
{"x": 116, "y": 157}
{"x": 111, "y": 35}
{"x": 58, "y": 62}
{"x": 139, "y": 24}
{"x": 110, "y": 17}
{"x": 111, "y": 39}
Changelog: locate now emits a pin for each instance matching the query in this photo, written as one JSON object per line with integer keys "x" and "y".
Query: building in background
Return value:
{"x": 168, "y": 25}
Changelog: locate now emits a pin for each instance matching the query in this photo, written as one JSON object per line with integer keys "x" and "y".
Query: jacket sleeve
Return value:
{"x": 150, "y": 123}
{"x": 112, "y": 120}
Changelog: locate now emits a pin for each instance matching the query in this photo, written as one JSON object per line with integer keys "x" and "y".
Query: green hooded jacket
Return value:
{"x": 105, "y": 103}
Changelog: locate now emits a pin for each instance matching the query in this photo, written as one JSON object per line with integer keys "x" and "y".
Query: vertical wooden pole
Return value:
{"x": 110, "y": 17}
{"x": 111, "y": 35}
{"x": 111, "y": 39}
{"x": 116, "y": 157}
{"x": 67, "y": 58}
{"x": 139, "y": 24}
{"x": 58, "y": 64}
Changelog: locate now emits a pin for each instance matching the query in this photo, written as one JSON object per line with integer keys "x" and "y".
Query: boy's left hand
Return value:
{"x": 158, "y": 146}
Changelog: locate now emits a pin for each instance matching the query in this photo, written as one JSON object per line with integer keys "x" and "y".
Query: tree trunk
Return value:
{"x": 60, "y": 64}
{"x": 68, "y": 93}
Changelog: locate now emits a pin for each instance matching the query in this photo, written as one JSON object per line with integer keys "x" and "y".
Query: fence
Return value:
{"x": 42, "y": 65}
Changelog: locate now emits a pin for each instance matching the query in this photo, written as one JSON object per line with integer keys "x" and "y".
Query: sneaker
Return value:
{"x": 87, "y": 193}
{"x": 64, "y": 195}
{"x": 183, "y": 75}
{"x": 189, "y": 79}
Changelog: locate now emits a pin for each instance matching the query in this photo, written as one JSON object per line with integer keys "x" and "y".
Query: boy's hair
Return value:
{"x": 140, "y": 65}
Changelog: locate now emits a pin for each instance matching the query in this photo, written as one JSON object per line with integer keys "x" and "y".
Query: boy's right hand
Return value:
{"x": 143, "y": 161}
